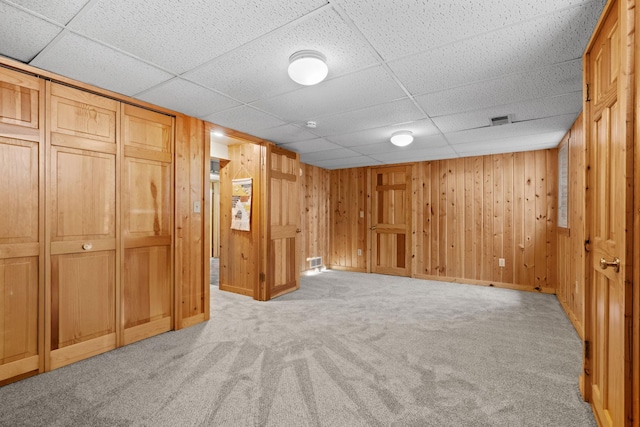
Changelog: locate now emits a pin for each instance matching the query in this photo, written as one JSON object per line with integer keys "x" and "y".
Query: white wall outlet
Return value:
{"x": 501, "y": 262}
{"x": 196, "y": 207}
{"x": 359, "y": 252}
{"x": 361, "y": 214}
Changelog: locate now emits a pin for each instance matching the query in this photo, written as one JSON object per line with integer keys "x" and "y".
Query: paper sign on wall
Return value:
{"x": 241, "y": 204}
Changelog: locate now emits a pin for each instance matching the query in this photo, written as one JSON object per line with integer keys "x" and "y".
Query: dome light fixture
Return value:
{"x": 308, "y": 67}
{"x": 402, "y": 138}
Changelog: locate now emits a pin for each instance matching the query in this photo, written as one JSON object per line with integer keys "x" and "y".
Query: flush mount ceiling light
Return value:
{"x": 402, "y": 138}
{"x": 308, "y": 67}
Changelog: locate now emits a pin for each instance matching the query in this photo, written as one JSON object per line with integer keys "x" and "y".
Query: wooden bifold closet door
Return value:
{"x": 21, "y": 230}
{"x": 147, "y": 223}
{"x": 82, "y": 224}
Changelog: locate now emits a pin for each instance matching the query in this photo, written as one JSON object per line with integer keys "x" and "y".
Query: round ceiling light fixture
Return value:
{"x": 402, "y": 138}
{"x": 308, "y": 67}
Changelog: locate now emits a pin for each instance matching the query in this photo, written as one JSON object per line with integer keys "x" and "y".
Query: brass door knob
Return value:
{"x": 604, "y": 264}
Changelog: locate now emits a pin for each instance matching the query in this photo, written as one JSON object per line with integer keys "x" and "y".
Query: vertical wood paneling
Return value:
{"x": 469, "y": 213}
{"x": 314, "y": 215}
{"x": 488, "y": 208}
{"x": 191, "y": 228}
{"x": 240, "y": 251}
{"x": 571, "y": 262}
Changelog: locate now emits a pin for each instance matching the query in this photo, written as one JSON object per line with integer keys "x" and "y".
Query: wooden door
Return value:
{"x": 283, "y": 227}
{"x": 147, "y": 223}
{"x": 82, "y": 225}
{"x": 21, "y": 227}
{"x": 391, "y": 220}
{"x": 610, "y": 208}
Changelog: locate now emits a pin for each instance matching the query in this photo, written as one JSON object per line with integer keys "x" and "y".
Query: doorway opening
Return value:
{"x": 214, "y": 221}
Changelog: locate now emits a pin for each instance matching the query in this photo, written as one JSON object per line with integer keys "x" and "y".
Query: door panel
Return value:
{"x": 391, "y": 220}
{"x": 21, "y": 225}
{"x": 82, "y": 237}
{"x": 284, "y": 217}
{"x": 609, "y": 207}
{"x": 147, "y": 224}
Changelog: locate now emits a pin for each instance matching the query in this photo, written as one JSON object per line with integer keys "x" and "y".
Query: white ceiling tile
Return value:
{"x": 328, "y": 155}
{"x": 538, "y": 83}
{"x": 570, "y": 103}
{"x": 382, "y": 134}
{"x": 387, "y": 114}
{"x": 398, "y": 28}
{"x": 311, "y": 146}
{"x": 258, "y": 69}
{"x": 358, "y": 90}
{"x": 558, "y": 38}
{"x": 84, "y": 60}
{"x": 511, "y": 144}
{"x": 180, "y": 35}
{"x": 58, "y": 10}
{"x": 435, "y": 142}
{"x": 23, "y": 35}
{"x": 187, "y": 98}
{"x": 399, "y": 156}
{"x": 285, "y": 134}
{"x": 531, "y": 127}
{"x": 343, "y": 163}
{"x": 247, "y": 119}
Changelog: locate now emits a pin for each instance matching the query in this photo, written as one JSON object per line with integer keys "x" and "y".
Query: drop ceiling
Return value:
{"x": 439, "y": 68}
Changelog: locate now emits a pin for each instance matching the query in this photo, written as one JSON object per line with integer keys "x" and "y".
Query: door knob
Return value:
{"x": 604, "y": 264}
{"x": 87, "y": 246}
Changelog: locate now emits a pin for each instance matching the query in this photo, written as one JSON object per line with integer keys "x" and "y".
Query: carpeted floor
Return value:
{"x": 347, "y": 349}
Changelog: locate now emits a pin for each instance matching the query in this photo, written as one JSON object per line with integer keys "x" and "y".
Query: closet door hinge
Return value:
{"x": 588, "y": 95}
{"x": 587, "y": 349}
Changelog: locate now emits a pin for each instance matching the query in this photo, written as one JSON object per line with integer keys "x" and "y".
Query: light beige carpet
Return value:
{"x": 347, "y": 349}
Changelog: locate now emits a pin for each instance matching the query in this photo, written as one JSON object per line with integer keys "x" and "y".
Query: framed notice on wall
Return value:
{"x": 241, "y": 204}
{"x": 563, "y": 185}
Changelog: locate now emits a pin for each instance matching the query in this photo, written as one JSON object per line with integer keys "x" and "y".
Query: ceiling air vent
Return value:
{"x": 501, "y": 120}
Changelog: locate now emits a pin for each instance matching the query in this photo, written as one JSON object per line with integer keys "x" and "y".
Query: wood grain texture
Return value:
{"x": 241, "y": 252}
{"x": 571, "y": 255}
{"x": 349, "y": 198}
{"x": 82, "y": 222}
{"x": 283, "y": 222}
{"x": 146, "y": 193}
{"x": 191, "y": 228}
{"x": 469, "y": 213}
{"x": 314, "y": 214}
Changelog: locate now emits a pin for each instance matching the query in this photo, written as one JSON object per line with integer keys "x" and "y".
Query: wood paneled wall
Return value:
{"x": 240, "y": 251}
{"x": 350, "y": 200}
{"x": 468, "y": 213}
{"x": 473, "y": 211}
{"x": 571, "y": 254}
{"x": 192, "y": 243}
{"x": 314, "y": 214}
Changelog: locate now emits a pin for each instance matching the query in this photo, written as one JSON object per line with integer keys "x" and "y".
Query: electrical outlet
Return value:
{"x": 501, "y": 262}
{"x": 361, "y": 214}
{"x": 196, "y": 207}
{"x": 359, "y": 252}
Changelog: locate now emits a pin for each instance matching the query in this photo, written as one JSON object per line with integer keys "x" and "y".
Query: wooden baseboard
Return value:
{"x": 190, "y": 321}
{"x": 19, "y": 367}
{"x": 501, "y": 285}
{"x": 572, "y": 318}
{"x": 341, "y": 268}
{"x": 73, "y": 353}
{"x": 146, "y": 330}
{"x": 236, "y": 290}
